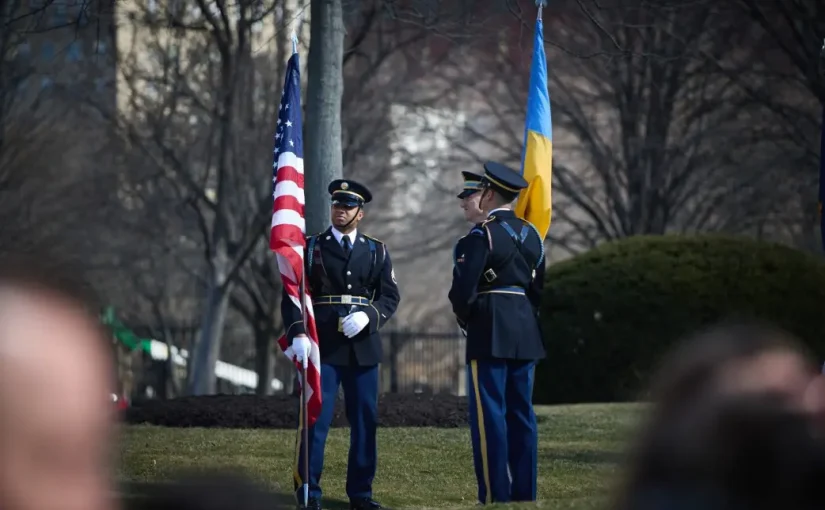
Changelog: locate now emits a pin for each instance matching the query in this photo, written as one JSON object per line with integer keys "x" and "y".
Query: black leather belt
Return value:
{"x": 503, "y": 290}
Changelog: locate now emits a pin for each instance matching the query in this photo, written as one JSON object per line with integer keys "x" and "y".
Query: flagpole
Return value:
{"x": 540, "y": 4}
{"x": 304, "y": 401}
{"x": 305, "y": 361}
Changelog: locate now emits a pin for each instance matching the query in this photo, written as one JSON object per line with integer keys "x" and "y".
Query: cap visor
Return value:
{"x": 345, "y": 203}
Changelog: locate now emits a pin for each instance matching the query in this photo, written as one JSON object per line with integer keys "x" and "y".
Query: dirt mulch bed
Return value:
{"x": 281, "y": 412}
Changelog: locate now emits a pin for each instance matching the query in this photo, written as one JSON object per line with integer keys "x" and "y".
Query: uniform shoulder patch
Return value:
{"x": 373, "y": 239}
{"x": 476, "y": 231}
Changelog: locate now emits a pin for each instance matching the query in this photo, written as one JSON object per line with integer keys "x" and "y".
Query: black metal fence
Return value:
{"x": 414, "y": 362}
{"x": 418, "y": 362}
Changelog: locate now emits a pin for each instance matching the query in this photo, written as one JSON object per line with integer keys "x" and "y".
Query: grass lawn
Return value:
{"x": 579, "y": 448}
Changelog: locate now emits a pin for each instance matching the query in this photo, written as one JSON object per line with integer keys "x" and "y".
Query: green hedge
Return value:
{"x": 608, "y": 315}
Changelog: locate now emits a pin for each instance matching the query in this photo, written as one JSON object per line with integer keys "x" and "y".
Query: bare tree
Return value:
{"x": 382, "y": 36}
{"x": 46, "y": 205}
{"x": 54, "y": 190}
{"x": 52, "y": 21}
{"x": 796, "y": 31}
{"x": 648, "y": 137}
{"x": 783, "y": 79}
{"x": 257, "y": 300}
{"x": 201, "y": 116}
{"x": 161, "y": 290}
{"x": 387, "y": 118}
{"x": 150, "y": 267}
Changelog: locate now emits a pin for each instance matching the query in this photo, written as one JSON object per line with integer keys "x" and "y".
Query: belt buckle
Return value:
{"x": 346, "y": 299}
{"x": 490, "y": 275}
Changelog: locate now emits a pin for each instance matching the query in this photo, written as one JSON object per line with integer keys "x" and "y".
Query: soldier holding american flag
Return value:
{"x": 339, "y": 291}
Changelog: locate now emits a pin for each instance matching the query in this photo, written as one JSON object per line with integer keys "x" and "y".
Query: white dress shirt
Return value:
{"x": 339, "y": 236}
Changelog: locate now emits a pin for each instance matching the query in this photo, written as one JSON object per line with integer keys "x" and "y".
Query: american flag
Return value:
{"x": 287, "y": 234}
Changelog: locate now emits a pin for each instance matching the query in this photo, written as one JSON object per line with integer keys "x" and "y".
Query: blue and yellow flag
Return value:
{"x": 535, "y": 202}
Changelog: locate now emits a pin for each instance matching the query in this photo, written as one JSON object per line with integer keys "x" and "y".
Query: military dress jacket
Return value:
{"x": 339, "y": 285}
{"x": 498, "y": 276}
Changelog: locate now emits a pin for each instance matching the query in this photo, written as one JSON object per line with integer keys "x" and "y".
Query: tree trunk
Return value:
{"x": 325, "y": 89}
{"x": 205, "y": 355}
{"x": 263, "y": 357}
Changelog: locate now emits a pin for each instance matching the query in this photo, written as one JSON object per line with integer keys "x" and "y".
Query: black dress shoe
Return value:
{"x": 364, "y": 504}
{"x": 312, "y": 504}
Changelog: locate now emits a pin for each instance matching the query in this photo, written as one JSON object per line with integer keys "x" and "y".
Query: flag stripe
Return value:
{"x": 292, "y": 179}
{"x": 288, "y": 221}
{"x": 291, "y": 189}
{"x": 288, "y": 159}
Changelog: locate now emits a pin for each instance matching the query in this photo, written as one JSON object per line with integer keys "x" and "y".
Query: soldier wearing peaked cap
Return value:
{"x": 495, "y": 293}
{"x": 354, "y": 293}
{"x": 469, "y": 197}
{"x": 472, "y": 184}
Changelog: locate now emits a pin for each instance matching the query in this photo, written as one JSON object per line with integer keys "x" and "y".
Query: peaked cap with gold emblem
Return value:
{"x": 349, "y": 193}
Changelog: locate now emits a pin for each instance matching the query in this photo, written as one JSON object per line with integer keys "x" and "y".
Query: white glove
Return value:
{"x": 354, "y": 323}
{"x": 301, "y": 347}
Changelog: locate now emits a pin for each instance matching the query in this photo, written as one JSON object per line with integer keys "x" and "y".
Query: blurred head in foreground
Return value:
{"x": 735, "y": 451}
{"x": 736, "y": 357}
{"x": 56, "y": 418}
{"x": 731, "y": 425}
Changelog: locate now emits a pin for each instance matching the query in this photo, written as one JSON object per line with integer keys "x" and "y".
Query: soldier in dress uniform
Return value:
{"x": 354, "y": 293}
{"x": 469, "y": 205}
{"x": 495, "y": 293}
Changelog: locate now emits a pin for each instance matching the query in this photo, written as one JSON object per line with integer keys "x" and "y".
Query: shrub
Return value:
{"x": 609, "y": 315}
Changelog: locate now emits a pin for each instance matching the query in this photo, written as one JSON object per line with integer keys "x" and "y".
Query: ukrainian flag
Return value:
{"x": 534, "y": 202}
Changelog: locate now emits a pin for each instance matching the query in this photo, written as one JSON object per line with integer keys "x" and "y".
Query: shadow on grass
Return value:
{"x": 585, "y": 457}
{"x": 138, "y": 496}
{"x": 334, "y": 504}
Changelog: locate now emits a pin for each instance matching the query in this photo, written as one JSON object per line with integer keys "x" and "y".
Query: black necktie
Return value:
{"x": 345, "y": 243}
